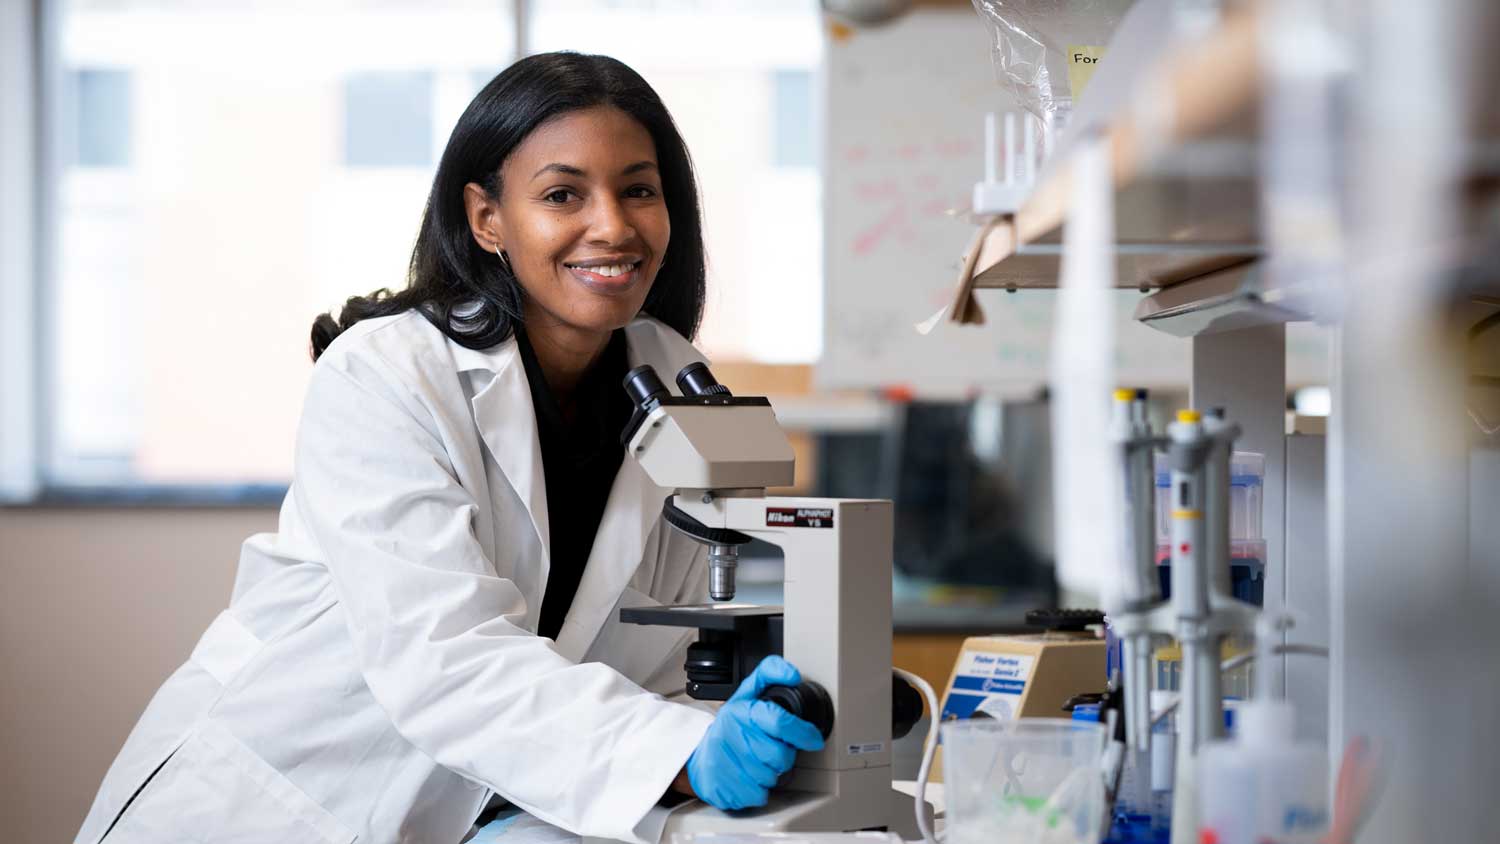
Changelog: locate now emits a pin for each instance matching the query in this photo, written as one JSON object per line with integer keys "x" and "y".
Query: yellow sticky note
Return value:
{"x": 1081, "y": 63}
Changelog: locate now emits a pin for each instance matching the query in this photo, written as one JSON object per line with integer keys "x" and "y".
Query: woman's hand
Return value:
{"x": 751, "y": 743}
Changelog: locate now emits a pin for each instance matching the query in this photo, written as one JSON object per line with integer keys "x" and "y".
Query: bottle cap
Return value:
{"x": 1188, "y": 415}
{"x": 1124, "y": 395}
{"x": 1262, "y": 722}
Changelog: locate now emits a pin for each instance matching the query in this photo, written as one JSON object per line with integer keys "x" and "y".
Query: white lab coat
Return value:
{"x": 376, "y": 676}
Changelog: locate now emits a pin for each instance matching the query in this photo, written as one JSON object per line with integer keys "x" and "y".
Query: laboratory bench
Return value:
{"x": 1242, "y": 181}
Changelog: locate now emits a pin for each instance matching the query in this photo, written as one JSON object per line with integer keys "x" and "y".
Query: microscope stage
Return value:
{"x": 702, "y": 616}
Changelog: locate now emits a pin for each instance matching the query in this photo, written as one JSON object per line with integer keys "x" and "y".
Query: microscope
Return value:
{"x": 720, "y": 452}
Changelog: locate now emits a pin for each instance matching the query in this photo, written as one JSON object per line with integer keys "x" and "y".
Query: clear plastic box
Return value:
{"x": 1247, "y": 477}
{"x": 1029, "y": 779}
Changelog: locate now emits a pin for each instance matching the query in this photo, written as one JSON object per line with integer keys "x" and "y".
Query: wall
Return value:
{"x": 97, "y": 607}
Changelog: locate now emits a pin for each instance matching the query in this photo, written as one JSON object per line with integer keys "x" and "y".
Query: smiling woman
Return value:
{"x": 563, "y": 158}
{"x": 581, "y": 223}
{"x": 432, "y": 628}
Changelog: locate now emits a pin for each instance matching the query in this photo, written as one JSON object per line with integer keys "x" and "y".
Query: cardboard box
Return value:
{"x": 1027, "y": 676}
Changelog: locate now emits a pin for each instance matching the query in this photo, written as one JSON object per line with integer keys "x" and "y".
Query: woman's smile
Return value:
{"x": 608, "y": 275}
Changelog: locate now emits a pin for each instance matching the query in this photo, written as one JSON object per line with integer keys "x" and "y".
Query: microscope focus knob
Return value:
{"x": 807, "y": 700}
{"x": 906, "y": 707}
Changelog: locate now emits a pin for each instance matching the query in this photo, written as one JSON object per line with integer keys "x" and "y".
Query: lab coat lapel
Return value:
{"x": 632, "y": 512}
{"x": 507, "y": 423}
{"x": 633, "y": 508}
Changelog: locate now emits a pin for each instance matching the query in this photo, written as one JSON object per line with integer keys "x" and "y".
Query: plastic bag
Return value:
{"x": 1045, "y": 51}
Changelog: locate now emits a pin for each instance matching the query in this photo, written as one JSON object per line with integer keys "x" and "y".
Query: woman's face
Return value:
{"x": 582, "y": 219}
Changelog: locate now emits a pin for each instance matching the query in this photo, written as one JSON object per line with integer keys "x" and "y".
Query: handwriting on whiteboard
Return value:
{"x": 946, "y": 149}
{"x": 899, "y": 187}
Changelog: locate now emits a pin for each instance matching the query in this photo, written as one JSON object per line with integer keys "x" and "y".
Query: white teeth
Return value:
{"x": 610, "y": 270}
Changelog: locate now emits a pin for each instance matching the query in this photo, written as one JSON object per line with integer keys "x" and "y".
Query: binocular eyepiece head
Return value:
{"x": 646, "y": 389}
{"x": 644, "y": 386}
{"x": 696, "y": 380}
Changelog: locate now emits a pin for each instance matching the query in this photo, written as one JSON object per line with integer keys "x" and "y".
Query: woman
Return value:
{"x": 435, "y": 622}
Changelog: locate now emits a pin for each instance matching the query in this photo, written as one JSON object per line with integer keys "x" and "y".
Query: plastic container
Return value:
{"x": 1166, "y": 666}
{"x": 1247, "y": 545}
{"x": 1247, "y": 570}
{"x": 1086, "y": 712}
{"x": 1163, "y": 765}
{"x": 1136, "y": 804}
{"x": 1044, "y": 51}
{"x": 1247, "y": 480}
{"x": 1263, "y": 785}
{"x": 1030, "y": 779}
{"x": 1133, "y": 806}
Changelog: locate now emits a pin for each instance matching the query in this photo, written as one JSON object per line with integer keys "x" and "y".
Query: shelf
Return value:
{"x": 1224, "y": 301}
{"x": 1180, "y": 122}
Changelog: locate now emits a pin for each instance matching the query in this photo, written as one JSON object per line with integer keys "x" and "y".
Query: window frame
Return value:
{"x": 32, "y": 81}
{"x": 22, "y": 247}
{"x": 31, "y": 165}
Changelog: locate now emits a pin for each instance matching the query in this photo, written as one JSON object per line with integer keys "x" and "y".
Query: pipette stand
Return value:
{"x": 1201, "y": 612}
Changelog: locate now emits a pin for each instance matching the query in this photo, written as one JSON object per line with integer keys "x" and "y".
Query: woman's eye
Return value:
{"x": 641, "y": 192}
{"x": 558, "y": 196}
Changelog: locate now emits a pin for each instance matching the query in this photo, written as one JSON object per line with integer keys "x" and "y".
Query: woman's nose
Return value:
{"x": 609, "y": 223}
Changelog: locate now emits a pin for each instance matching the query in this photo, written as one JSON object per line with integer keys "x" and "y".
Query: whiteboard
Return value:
{"x": 904, "y": 111}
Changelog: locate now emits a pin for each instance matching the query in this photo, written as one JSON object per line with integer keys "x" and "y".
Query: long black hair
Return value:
{"x": 466, "y": 291}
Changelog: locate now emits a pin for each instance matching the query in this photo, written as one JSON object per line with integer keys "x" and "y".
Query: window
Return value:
{"x": 229, "y": 171}
{"x": 102, "y": 118}
{"x": 794, "y": 116}
{"x": 388, "y": 119}
{"x": 739, "y": 79}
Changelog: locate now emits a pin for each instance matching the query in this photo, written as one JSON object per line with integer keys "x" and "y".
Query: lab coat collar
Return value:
{"x": 506, "y": 420}
{"x": 507, "y": 423}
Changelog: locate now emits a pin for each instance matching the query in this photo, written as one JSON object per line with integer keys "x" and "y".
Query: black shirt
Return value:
{"x": 579, "y": 463}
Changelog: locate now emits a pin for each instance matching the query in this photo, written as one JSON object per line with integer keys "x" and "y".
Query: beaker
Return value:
{"x": 1032, "y": 780}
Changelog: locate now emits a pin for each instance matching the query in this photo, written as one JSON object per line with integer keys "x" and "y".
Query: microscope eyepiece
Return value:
{"x": 696, "y": 380}
{"x": 644, "y": 386}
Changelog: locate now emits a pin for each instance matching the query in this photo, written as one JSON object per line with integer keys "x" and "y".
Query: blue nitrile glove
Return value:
{"x": 751, "y": 742}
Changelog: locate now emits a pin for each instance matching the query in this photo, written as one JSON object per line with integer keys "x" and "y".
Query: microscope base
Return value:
{"x": 866, "y": 802}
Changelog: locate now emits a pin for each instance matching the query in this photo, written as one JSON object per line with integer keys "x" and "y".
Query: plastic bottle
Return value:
{"x": 1263, "y": 785}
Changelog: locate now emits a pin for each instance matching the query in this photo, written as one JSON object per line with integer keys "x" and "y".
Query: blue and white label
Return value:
{"x": 988, "y": 682}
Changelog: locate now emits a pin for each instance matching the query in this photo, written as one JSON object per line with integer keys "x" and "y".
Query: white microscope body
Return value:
{"x": 721, "y": 453}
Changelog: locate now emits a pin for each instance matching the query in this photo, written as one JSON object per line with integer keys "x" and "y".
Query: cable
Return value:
{"x": 1484, "y": 426}
{"x": 928, "y": 751}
